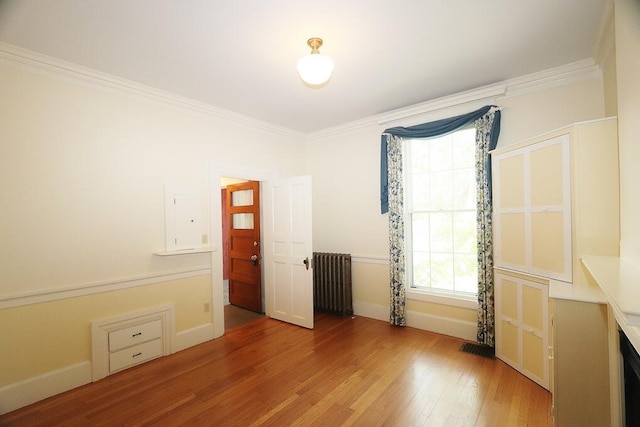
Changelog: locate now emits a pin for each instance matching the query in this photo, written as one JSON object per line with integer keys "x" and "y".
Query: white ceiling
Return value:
{"x": 241, "y": 55}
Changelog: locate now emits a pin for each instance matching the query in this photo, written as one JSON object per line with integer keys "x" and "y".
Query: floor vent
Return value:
{"x": 478, "y": 350}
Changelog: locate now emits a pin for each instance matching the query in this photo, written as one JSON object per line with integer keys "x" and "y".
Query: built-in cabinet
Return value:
{"x": 522, "y": 325}
{"x": 555, "y": 199}
{"x": 129, "y": 339}
{"x": 532, "y": 208}
{"x": 581, "y": 364}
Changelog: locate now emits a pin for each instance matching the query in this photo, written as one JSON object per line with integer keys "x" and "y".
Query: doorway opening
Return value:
{"x": 243, "y": 287}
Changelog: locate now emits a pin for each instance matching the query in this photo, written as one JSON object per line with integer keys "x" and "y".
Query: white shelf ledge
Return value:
{"x": 619, "y": 281}
{"x": 580, "y": 293}
{"x": 185, "y": 251}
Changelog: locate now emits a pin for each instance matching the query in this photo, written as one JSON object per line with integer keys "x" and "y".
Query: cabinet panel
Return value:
{"x": 532, "y": 307}
{"x": 581, "y": 350}
{"x": 512, "y": 182}
{"x": 509, "y": 342}
{"x": 546, "y": 171}
{"x": 512, "y": 243}
{"x": 532, "y": 362}
{"x": 548, "y": 244}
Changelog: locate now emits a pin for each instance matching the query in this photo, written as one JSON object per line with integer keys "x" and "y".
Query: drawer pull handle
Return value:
{"x": 137, "y": 354}
{"x": 135, "y": 335}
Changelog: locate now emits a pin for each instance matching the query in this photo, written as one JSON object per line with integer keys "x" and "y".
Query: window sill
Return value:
{"x": 470, "y": 303}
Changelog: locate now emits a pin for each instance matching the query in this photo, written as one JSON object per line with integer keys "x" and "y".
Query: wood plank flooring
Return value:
{"x": 359, "y": 372}
{"x": 236, "y": 316}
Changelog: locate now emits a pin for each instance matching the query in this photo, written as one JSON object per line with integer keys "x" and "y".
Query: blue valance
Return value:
{"x": 430, "y": 130}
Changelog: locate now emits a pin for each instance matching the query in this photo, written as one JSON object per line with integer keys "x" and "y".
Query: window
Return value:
{"x": 440, "y": 203}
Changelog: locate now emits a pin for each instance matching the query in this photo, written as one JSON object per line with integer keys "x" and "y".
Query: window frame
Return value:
{"x": 430, "y": 295}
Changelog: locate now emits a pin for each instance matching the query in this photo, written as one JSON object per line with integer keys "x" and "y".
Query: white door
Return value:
{"x": 288, "y": 250}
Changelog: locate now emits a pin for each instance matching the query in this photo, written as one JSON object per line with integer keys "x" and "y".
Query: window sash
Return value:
{"x": 448, "y": 253}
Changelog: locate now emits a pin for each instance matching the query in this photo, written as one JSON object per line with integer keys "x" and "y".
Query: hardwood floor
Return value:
{"x": 359, "y": 371}
{"x": 236, "y": 316}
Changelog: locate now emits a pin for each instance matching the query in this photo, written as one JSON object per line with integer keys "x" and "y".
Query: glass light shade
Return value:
{"x": 315, "y": 69}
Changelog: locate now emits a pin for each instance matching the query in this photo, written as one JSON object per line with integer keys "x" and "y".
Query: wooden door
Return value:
{"x": 243, "y": 224}
{"x": 288, "y": 250}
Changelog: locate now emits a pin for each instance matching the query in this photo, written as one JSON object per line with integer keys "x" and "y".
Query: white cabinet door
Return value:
{"x": 522, "y": 326}
{"x": 532, "y": 209}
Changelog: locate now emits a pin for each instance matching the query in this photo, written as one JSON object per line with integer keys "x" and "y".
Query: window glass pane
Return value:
{"x": 441, "y": 150}
{"x": 465, "y": 233}
{"x": 242, "y": 198}
{"x": 242, "y": 221}
{"x": 441, "y": 190}
{"x": 441, "y": 232}
{"x": 464, "y": 148}
{"x": 421, "y": 270}
{"x": 420, "y": 199}
{"x": 420, "y": 232}
{"x": 466, "y": 273}
{"x": 442, "y": 271}
{"x": 420, "y": 156}
{"x": 464, "y": 189}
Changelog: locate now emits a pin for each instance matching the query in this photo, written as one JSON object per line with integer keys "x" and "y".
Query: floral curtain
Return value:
{"x": 485, "y": 129}
{"x": 487, "y": 123}
{"x": 396, "y": 230}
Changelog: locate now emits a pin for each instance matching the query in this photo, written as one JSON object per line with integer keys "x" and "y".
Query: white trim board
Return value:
{"x": 45, "y": 295}
{"x": 23, "y": 393}
{"x": 428, "y": 322}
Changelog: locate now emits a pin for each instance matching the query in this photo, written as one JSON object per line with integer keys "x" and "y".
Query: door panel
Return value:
{"x": 243, "y": 219}
{"x": 288, "y": 244}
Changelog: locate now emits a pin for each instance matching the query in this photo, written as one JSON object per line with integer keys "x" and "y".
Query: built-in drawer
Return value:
{"x": 134, "y": 355}
{"x": 134, "y": 335}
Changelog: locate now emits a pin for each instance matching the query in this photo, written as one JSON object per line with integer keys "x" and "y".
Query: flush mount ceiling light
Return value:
{"x": 315, "y": 69}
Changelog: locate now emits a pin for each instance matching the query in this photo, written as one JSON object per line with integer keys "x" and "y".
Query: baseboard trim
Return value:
{"x": 429, "y": 322}
{"x": 193, "y": 336}
{"x": 443, "y": 325}
{"x": 23, "y": 393}
{"x": 17, "y": 395}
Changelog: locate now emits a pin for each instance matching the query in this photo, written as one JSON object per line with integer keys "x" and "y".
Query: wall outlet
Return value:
{"x": 205, "y": 239}
{"x": 206, "y": 307}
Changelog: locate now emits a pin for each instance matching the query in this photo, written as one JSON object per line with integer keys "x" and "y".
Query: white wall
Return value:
{"x": 627, "y": 39}
{"x": 82, "y": 176}
{"x": 84, "y": 159}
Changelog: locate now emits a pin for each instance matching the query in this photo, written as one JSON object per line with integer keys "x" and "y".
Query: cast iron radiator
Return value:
{"x": 332, "y": 283}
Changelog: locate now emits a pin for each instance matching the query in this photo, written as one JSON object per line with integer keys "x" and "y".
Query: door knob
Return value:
{"x": 306, "y": 262}
{"x": 254, "y": 259}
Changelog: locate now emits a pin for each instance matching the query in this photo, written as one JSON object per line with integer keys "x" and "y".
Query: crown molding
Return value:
{"x": 566, "y": 74}
{"x": 563, "y": 75}
{"x": 474, "y": 95}
{"x": 570, "y": 73}
{"x": 42, "y": 64}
